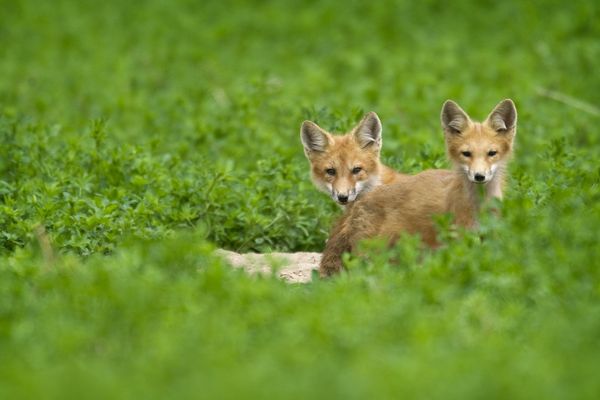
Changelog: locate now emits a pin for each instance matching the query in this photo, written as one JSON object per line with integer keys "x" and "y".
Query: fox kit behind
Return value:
{"x": 347, "y": 166}
{"x": 479, "y": 152}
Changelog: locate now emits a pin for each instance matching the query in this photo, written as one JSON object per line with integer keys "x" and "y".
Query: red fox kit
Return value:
{"x": 346, "y": 166}
{"x": 479, "y": 152}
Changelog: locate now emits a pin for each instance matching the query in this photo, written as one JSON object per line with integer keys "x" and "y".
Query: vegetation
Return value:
{"x": 136, "y": 137}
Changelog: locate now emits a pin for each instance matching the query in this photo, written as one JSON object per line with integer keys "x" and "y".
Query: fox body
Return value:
{"x": 479, "y": 152}
{"x": 347, "y": 166}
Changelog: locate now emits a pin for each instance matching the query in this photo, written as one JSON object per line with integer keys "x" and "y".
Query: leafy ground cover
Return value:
{"x": 142, "y": 135}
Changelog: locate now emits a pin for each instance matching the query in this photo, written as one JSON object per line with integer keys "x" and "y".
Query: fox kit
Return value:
{"x": 347, "y": 166}
{"x": 479, "y": 152}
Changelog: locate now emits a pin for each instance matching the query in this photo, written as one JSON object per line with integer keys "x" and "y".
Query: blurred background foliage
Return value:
{"x": 141, "y": 135}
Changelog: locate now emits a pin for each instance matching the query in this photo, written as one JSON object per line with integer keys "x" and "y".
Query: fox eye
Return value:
{"x": 466, "y": 153}
{"x": 492, "y": 153}
{"x": 356, "y": 170}
{"x": 330, "y": 171}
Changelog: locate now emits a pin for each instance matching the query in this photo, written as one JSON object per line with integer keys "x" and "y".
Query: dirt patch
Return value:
{"x": 291, "y": 267}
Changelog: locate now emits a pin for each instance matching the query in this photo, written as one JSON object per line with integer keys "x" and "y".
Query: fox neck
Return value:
{"x": 480, "y": 193}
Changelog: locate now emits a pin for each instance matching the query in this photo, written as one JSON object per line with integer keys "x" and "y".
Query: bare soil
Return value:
{"x": 291, "y": 267}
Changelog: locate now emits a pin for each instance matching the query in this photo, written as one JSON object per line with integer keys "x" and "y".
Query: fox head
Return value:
{"x": 480, "y": 149}
{"x": 344, "y": 165}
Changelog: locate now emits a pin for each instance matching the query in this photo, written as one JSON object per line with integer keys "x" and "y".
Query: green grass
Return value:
{"x": 142, "y": 135}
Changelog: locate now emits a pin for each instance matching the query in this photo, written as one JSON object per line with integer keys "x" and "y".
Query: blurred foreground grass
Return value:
{"x": 142, "y": 134}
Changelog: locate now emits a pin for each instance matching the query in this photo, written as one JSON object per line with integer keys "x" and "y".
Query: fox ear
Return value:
{"x": 454, "y": 119}
{"x": 503, "y": 118}
{"x": 313, "y": 137}
{"x": 368, "y": 131}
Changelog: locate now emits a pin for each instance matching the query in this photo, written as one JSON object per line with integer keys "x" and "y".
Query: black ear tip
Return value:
{"x": 507, "y": 106}
{"x": 449, "y": 103}
{"x": 450, "y": 107}
{"x": 370, "y": 122}
{"x": 308, "y": 127}
{"x": 372, "y": 118}
{"x": 509, "y": 102}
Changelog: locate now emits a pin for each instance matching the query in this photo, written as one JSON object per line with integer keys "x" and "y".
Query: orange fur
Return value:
{"x": 409, "y": 206}
{"x": 347, "y": 166}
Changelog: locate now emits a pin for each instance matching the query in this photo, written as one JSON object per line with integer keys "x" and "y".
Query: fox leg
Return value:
{"x": 331, "y": 260}
{"x": 355, "y": 225}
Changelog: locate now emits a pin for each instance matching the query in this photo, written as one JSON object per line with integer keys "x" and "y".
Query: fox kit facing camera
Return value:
{"x": 347, "y": 166}
{"x": 479, "y": 152}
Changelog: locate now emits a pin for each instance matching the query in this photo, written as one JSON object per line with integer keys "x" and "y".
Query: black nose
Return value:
{"x": 479, "y": 177}
{"x": 342, "y": 199}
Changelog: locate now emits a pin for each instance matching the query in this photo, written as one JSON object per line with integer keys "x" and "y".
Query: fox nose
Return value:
{"x": 342, "y": 198}
{"x": 479, "y": 177}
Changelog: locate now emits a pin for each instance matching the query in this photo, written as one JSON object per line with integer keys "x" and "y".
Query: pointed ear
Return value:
{"x": 368, "y": 131}
{"x": 454, "y": 119}
{"x": 503, "y": 118}
{"x": 313, "y": 137}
